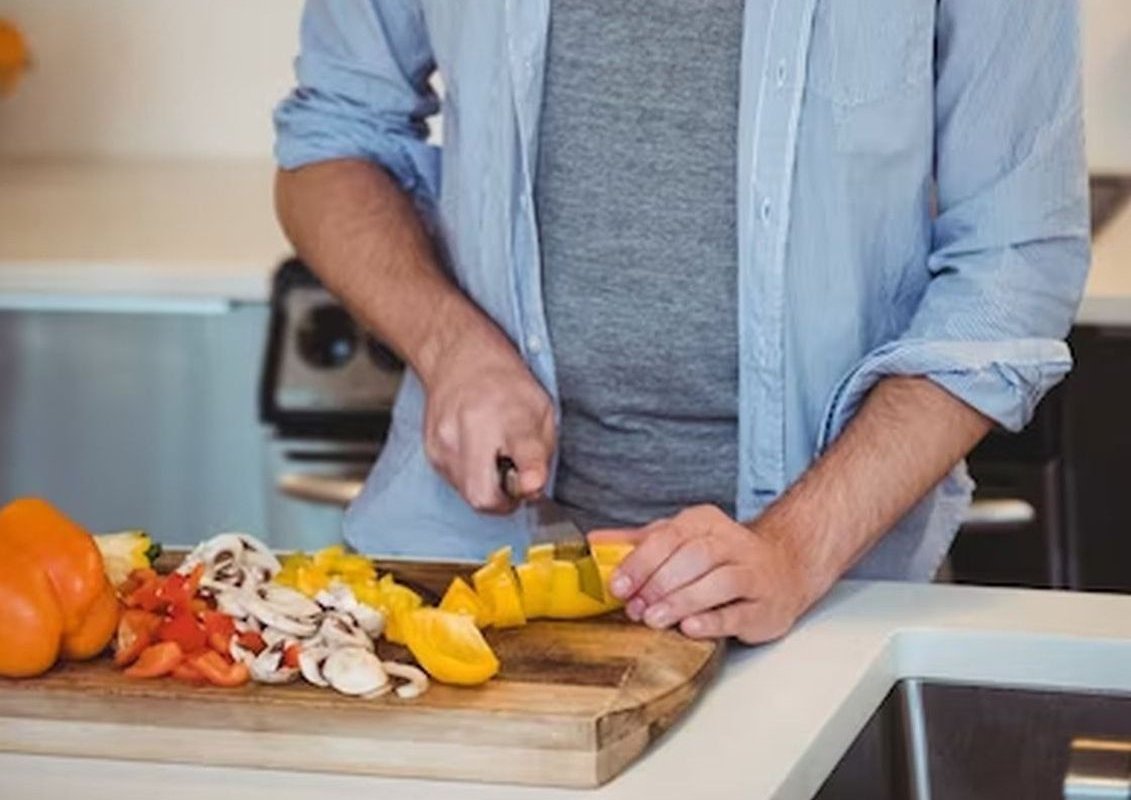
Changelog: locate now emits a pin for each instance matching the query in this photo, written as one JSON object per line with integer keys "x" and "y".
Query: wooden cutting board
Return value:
{"x": 573, "y": 705}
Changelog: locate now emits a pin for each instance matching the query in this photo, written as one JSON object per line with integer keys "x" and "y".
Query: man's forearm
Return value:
{"x": 351, "y": 223}
{"x": 907, "y": 435}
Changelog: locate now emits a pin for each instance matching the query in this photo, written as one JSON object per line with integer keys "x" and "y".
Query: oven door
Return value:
{"x": 312, "y": 482}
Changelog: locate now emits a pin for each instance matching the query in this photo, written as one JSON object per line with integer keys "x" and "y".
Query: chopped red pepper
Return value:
{"x": 219, "y": 671}
{"x": 135, "y": 633}
{"x": 178, "y": 591}
{"x": 218, "y": 622}
{"x": 146, "y": 595}
{"x": 183, "y": 629}
{"x": 185, "y": 671}
{"x": 250, "y": 640}
{"x": 291, "y": 654}
{"x": 156, "y": 660}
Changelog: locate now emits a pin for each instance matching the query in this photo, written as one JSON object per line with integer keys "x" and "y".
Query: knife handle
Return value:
{"x": 508, "y": 476}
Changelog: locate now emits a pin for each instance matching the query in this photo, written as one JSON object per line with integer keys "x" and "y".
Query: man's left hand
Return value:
{"x": 711, "y": 576}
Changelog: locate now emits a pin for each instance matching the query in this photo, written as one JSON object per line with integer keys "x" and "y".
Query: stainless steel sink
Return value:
{"x": 936, "y": 741}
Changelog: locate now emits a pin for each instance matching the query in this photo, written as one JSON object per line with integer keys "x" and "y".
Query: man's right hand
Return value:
{"x": 483, "y": 402}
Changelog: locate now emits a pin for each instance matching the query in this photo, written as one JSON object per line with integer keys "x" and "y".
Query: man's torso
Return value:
{"x": 635, "y": 197}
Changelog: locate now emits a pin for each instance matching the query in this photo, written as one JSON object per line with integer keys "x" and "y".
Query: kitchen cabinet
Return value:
{"x": 144, "y": 419}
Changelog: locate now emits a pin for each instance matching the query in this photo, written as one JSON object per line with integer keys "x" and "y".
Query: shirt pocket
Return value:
{"x": 867, "y": 50}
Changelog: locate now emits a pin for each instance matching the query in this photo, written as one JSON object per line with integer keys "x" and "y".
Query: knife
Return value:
{"x": 555, "y": 527}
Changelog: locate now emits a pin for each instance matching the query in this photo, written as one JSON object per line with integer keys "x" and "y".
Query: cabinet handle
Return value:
{"x": 999, "y": 513}
{"x": 1098, "y": 769}
{"x": 320, "y": 489}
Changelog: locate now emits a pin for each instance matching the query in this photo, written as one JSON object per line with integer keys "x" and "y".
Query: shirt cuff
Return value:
{"x": 1005, "y": 380}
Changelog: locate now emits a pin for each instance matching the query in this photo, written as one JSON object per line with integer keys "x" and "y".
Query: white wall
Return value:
{"x": 150, "y": 77}
{"x": 187, "y": 78}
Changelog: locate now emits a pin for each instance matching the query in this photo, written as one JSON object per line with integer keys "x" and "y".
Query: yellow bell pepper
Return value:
{"x": 481, "y": 579}
{"x": 506, "y": 600}
{"x": 566, "y": 600}
{"x": 540, "y": 553}
{"x": 611, "y": 553}
{"x": 397, "y": 602}
{"x": 501, "y": 557}
{"x": 124, "y": 552}
{"x": 449, "y": 647}
{"x": 534, "y": 577}
{"x": 460, "y": 598}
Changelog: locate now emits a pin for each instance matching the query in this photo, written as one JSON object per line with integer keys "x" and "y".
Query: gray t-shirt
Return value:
{"x": 635, "y": 193}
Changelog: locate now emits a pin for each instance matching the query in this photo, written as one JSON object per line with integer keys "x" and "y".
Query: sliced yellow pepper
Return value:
{"x": 368, "y": 591}
{"x": 540, "y": 552}
{"x": 534, "y": 577}
{"x": 506, "y": 600}
{"x": 460, "y": 598}
{"x": 481, "y": 579}
{"x": 567, "y": 601}
{"x": 611, "y": 553}
{"x": 449, "y": 647}
{"x": 311, "y": 579}
{"x": 501, "y": 557}
{"x": 398, "y": 600}
{"x": 327, "y": 557}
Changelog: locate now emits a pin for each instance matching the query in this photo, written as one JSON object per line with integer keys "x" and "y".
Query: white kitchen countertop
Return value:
{"x": 773, "y": 725}
{"x": 121, "y": 233}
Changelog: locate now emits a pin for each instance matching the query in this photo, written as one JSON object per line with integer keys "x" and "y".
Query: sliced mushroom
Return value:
{"x": 381, "y": 692}
{"x": 292, "y": 603}
{"x": 209, "y": 551}
{"x": 371, "y": 621}
{"x": 310, "y": 660}
{"x": 230, "y": 601}
{"x": 340, "y": 630}
{"x": 354, "y": 671}
{"x": 239, "y": 653}
{"x": 268, "y": 666}
{"x": 273, "y": 636}
{"x": 271, "y": 617}
{"x": 417, "y": 681}
{"x": 338, "y": 597}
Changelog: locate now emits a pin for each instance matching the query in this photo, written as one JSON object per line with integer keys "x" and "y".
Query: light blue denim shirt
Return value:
{"x": 911, "y": 194}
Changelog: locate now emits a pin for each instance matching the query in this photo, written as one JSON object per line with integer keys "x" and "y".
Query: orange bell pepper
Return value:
{"x": 39, "y": 538}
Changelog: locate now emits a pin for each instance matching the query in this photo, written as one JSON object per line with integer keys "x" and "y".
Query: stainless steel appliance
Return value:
{"x": 326, "y": 396}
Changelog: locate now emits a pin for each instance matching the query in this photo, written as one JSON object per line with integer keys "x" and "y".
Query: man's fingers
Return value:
{"x": 639, "y": 565}
{"x": 531, "y": 457}
{"x": 479, "y": 482}
{"x": 751, "y": 622}
{"x": 715, "y": 588}
{"x": 630, "y": 535}
{"x": 694, "y": 558}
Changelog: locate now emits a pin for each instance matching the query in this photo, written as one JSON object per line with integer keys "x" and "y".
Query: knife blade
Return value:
{"x": 557, "y": 528}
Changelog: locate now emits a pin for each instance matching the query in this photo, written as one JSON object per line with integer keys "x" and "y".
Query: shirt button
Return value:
{"x": 767, "y": 209}
{"x": 781, "y": 73}
{"x": 534, "y": 344}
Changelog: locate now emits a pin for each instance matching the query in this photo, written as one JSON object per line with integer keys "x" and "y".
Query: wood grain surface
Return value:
{"x": 574, "y": 703}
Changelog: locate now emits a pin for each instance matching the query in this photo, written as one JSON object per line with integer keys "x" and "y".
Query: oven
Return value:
{"x": 326, "y": 396}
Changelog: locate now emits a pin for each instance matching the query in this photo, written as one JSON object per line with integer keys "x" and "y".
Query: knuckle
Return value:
{"x": 447, "y": 433}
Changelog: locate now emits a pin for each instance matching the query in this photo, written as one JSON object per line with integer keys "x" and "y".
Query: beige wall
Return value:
{"x": 1107, "y": 83}
{"x": 199, "y": 77}
{"x": 150, "y": 77}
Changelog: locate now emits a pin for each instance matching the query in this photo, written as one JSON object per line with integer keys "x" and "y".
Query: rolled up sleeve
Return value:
{"x": 1010, "y": 247}
{"x": 363, "y": 92}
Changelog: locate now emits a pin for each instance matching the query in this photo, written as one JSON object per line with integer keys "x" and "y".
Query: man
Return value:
{"x": 742, "y": 282}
